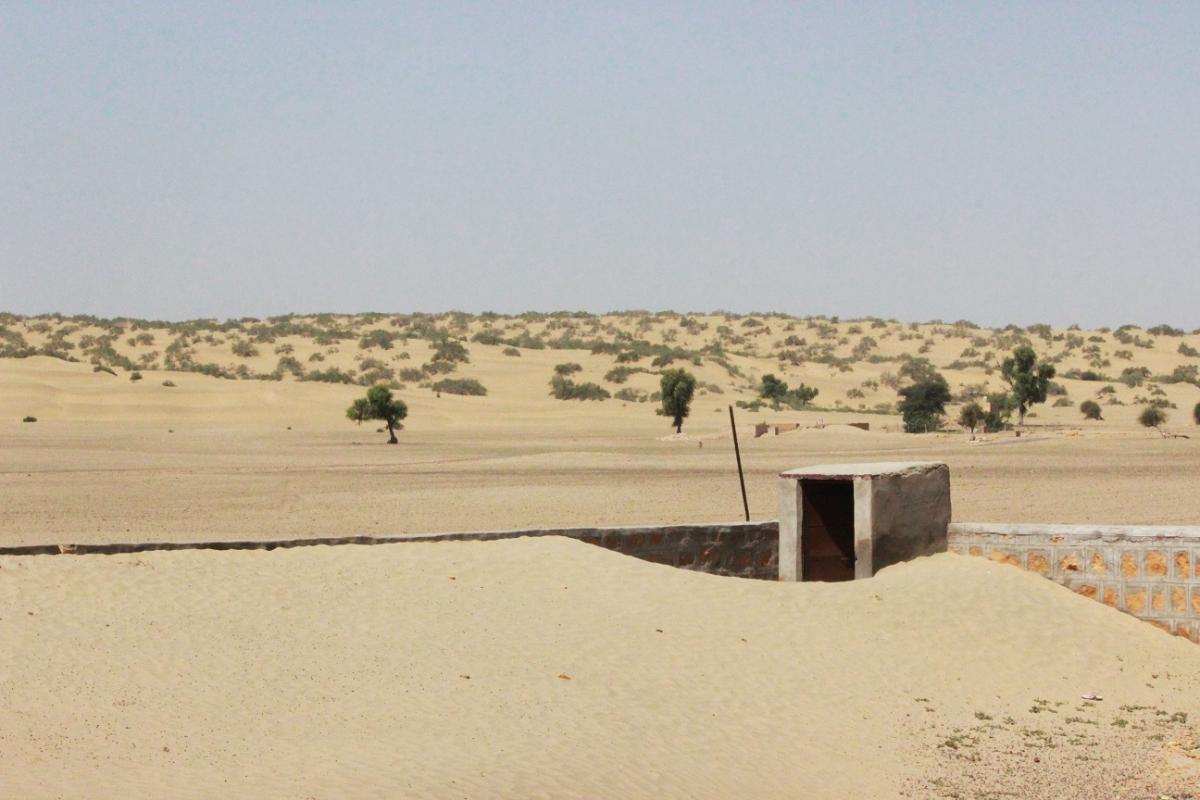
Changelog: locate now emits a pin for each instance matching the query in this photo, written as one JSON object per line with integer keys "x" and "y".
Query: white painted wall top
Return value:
{"x": 870, "y": 470}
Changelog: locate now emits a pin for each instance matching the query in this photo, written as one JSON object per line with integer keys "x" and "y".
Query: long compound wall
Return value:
{"x": 1150, "y": 572}
{"x": 740, "y": 549}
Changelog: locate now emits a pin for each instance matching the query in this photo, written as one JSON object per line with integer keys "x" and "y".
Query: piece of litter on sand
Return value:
{"x": 1092, "y": 696}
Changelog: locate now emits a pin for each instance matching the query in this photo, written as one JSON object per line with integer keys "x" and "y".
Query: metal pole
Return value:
{"x": 738, "y": 452}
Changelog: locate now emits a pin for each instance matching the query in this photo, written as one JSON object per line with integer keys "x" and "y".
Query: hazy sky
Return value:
{"x": 1002, "y": 162}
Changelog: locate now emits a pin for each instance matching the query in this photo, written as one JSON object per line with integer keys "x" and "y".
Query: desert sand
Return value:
{"x": 343, "y": 671}
{"x": 551, "y": 668}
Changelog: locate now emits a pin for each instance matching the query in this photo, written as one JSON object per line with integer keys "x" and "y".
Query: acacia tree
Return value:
{"x": 924, "y": 403}
{"x": 1028, "y": 378}
{"x": 678, "y": 386}
{"x": 972, "y": 416}
{"x": 379, "y": 404}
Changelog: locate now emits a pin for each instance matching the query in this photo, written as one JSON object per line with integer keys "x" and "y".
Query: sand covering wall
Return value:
{"x": 1151, "y": 572}
{"x": 542, "y": 667}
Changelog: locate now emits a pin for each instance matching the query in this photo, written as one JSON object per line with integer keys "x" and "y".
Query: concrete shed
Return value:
{"x": 840, "y": 522}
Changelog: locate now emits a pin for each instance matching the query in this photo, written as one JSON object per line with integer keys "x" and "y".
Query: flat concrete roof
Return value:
{"x": 844, "y": 471}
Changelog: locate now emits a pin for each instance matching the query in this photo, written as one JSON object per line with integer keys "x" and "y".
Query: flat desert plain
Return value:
{"x": 546, "y": 667}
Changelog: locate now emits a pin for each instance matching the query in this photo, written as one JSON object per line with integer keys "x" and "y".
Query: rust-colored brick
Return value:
{"x": 1135, "y": 601}
{"x": 1178, "y": 599}
{"x": 1038, "y": 562}
{"x": 1069, "y": 563}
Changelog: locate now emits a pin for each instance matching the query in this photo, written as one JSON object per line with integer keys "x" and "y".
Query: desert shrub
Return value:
{"x": 1133, "y": 376}
{"x": 511, "y": 351}
{"x": 487, "y": 336}
{"x": 1196, "y": 414}
{"x": 467, "y": 386}
{"x": 1063, "y": 402}
{"x": 1189, "y": 373}
{"x": 754, "y": 405}
{"x": 1186, "y": 349}
{"x": 569, "y": 368}
{"x": 289, "y": 364}
{"x": 621, "y": 374}
{"x": 243, "y": 349}
{"x": 630, "y": 395}
{"x": 102, "y": 368}
{"x": 1090, "y": 410}
{"x": 854, "y": 394}
{"x": 330, "y": 375}
{"x": 1152, "y": 417}
{"x": 628, "y": 356}
{"x": 135, "y": 376}
{"x": 170, "y": 384}
{"x": 1164, "y": 330}
{"x": 1086, "y": 375}
{"x": 378, "y": 374}
{"x": 377, "y": 338}
{"x": 29, "y": 419}
{"x": 317, "y": 357}
{"x": 412, "y": 374}
{"x": 563, "y": 388}
{"x": 450, "y": 351}
{"x": 439, "y": 367}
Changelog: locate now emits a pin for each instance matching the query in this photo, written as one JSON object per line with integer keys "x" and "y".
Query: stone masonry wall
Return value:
{"x": 1150, "y": 572}
{"x": 740, "y": 549}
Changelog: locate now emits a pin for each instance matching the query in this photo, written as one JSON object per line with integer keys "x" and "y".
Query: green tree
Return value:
{"x": 777, "y": 392}
{"x": 1090, "y": 410}
{"x": 924, "y": 403}
{"x": 678, "y": 386}
{"x": 1000, "y": 408}
{"x": 1028, "y": 378}
{"x": 772, "y": 388}
{"x": 379, "y": 404}
{"x": 971, "y": 416}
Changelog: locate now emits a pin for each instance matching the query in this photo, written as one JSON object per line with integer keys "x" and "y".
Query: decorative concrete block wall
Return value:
{"x": 1150, "y": 572}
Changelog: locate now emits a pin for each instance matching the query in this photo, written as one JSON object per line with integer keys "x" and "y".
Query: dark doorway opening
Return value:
{"x": 827, "y": 533}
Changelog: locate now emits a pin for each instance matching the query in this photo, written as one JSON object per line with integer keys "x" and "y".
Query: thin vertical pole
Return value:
{"x": 738, "y": 453}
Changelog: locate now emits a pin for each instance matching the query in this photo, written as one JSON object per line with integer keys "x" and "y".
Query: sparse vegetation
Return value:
{"x": 563, "y": 388}
{"x": 1152, "y": 417}
{"x": 1090, "y": 410}
{"x": 464, "y": 386}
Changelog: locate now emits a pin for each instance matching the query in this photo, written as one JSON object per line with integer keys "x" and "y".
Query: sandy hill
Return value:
{"x": 550, "y": 668}
{"x": 852, "y": 363}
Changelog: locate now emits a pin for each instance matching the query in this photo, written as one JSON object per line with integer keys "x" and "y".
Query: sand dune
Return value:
{"x": 549, "y": 668}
